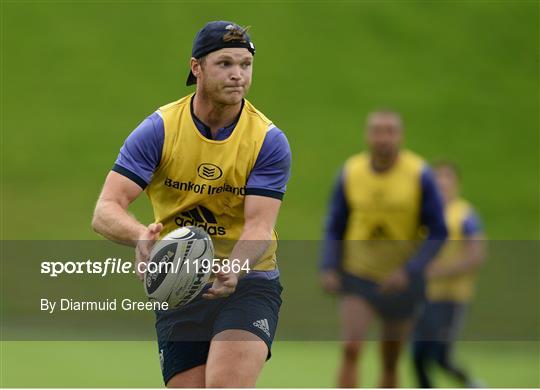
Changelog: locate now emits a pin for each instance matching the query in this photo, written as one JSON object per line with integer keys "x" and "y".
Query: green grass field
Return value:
{"x": 295, "y": 364}
{"x": 77, "y": 77}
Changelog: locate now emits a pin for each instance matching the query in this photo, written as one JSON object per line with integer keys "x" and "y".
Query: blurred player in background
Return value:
{"x": 212, "y": 160}
{"x": 450, "y": 284}
{"x": 385, "y": 224}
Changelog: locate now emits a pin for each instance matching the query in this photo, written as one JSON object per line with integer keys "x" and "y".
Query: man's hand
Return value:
{"x": 223, "y": 286}
{"x": 145, "y": 244}
{"x": 396, "y": 282}
{"x": 330, "y": 281}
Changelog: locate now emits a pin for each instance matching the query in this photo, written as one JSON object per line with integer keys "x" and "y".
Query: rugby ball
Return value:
{"x": 177, "y": 275}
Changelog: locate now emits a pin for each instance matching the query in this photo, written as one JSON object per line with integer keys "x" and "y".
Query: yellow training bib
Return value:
{"x": 201, "y": 182}
{"x": 383, "y": 227}
{"x": 459, "y": 288}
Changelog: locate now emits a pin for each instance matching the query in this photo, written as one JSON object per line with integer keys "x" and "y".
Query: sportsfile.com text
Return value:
{"x": 113, "y": 265}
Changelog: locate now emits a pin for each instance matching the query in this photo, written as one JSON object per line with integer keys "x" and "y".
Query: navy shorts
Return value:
{"x": 184, "y": 334}
{"x": 439, "y": 321}
{"x": 391, "y": 307}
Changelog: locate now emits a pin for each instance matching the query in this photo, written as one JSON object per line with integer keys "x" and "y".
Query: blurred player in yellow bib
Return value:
{"x": 211, "y": 160}
{"x": 450, "y": 285}
{"x": 385, "y": 224}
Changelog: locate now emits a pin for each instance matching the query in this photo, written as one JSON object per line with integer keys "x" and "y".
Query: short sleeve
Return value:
{"x": 141, "y": 152}
{"x": 472, "y": 225}
{"x": 271, "y": 171}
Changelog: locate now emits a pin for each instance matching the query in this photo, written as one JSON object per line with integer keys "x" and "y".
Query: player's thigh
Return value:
{"x": 192, "y": 378}
{"x": 356, "y": 315}
{"x": 235, "y": 359}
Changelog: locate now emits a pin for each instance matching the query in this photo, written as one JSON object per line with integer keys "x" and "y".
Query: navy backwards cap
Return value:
{"x": 218, "y": 35}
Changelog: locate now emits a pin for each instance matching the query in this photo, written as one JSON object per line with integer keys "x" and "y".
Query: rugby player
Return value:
{"x": 210, "y": 159}
{"x": 385, "y": 224}
{"x": 450, "y": 284}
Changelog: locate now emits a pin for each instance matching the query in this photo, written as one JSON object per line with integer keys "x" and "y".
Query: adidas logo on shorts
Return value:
{"x": 263, "y": 325}
{"x": 161, "y": 359}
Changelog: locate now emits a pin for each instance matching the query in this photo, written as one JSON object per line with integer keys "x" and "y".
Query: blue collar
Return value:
{"x": 223, "y": 133}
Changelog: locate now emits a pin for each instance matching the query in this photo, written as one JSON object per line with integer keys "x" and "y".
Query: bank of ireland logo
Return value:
{"x": 209, "y": 171}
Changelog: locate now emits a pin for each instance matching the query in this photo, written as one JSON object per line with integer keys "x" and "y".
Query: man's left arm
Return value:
{"x": 260, "y": 213}
{"x": 432, "y": 218}
{"x": 264, "y": 192}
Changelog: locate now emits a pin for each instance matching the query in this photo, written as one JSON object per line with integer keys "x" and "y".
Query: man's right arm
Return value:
{"x": 111, "y": 217}
{"x": 113, "y": 221}
{"x": 133, "y": 170}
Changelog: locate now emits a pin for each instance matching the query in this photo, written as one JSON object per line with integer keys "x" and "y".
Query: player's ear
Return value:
{"x": 194, "y": 66}
{"x": 197, "y": 65}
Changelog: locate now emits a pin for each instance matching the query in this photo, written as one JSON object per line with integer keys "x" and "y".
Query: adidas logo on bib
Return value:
{"x": 263, "y": 325}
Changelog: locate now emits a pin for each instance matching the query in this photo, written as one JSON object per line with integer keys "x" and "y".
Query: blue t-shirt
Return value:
{"x": 141, "y": 154}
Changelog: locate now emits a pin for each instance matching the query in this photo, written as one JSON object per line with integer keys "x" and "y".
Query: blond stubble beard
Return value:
{"x": 216, "y": 97}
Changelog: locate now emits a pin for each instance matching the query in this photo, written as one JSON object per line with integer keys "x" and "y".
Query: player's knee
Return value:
{"x": 390, "y": 361}
{"x": 389, "y": 368}
{"x": 193, "y": 378}
{"x": 221, "y": 383}
{"x": 390, "y": 364}
{"x": 216, "y": 382}
{"x": 351, "y": 350}
{"x": 221, "y": 378}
